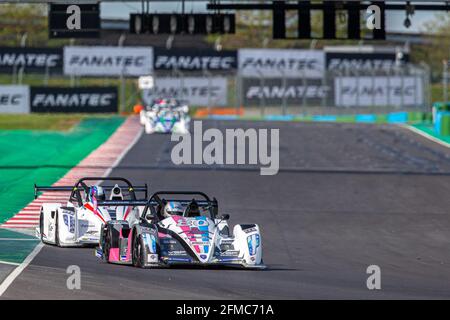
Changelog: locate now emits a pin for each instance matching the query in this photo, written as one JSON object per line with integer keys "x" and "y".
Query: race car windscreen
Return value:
{"x": 188, "y": 205}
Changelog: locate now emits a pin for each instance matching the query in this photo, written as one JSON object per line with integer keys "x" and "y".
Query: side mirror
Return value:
{"x": 225, "y": 217}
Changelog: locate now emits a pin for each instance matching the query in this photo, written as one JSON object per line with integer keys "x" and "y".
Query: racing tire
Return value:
{"x": 107, "y": 245}
{"x": 57, "y": 243}
{"x": 138, "y": 252}
{"x": 148, "y": 128}
{"x": 41, "y": 225}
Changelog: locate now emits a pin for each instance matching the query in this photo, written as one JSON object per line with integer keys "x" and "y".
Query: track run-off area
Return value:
{"x": 346, "y": 196}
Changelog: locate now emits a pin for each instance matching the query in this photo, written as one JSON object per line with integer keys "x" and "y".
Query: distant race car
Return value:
{"x": 89, "y": 207}
{"x": 183, "y": 230}
{"x": 165, "y": 116}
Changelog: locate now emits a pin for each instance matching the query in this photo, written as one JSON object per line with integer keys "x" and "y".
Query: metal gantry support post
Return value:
{"x": 389, "y": 73}
{"x": 304, "y": 91}
{"x": 262, "y": 101}
{"x": 238, "y": 91}
{"x": 122, "y": 77}
{"x": 14, "y": 74}
{"x": 428, "y": 77}
{"x": 177, "y": 73}
{"x": 208, "y": 74}
{"x": 72, "y": 75}
{"x": 122, "y": 90}
{"x": 427, "y": 98}
{"x": 325, "y": 83}
{"x": 445, "y": 77}
{"x": 284, "y": 100}
{"x": 47, "y": 75}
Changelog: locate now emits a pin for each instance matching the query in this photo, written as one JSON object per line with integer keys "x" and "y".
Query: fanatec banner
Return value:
{"x": 195, "y": 91}
{"x": 294, "y": 63}
{"x": 31, "y": 59}
{"x": 108, "y": 61}
{"x": 378, "y": 91}
{"x": 14, "y": 99}
{"x": 362, "y": 61}
{"x": 79, "y": 99}
{"x": 194, "y": 60}
{"x": 273, "y": 92}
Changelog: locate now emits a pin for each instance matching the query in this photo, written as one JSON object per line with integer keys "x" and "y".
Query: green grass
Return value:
{"x": 52, "y": 122}
{"x": 13, "y": 249}
{"x": 429, "y": 129}
{"x": 43, "y": 157}
{"x": 45, "y": 121}
{"x": 437, "y": 92}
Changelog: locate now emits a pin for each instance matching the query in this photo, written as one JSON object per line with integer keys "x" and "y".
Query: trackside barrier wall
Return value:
{"x": 441, "y": 118}
{"x": 25, "y": 99}
{"x": 14, "y": 99}
{"x": 263, "y": 81}
{"x": 442, "y": 123}
{"x": 394, "y": 117}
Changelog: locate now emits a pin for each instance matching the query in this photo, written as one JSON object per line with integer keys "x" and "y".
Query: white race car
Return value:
{"x": 166, "y": 116}
{"x": 181, "y": 228}
{"x": 79, "y": 221}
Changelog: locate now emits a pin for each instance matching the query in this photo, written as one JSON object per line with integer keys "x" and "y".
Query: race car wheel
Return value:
{"x": 107, "y": 245}
{"x": 148, "y": 128}
{"x": 57, "y": 230}
{"x": 138, "y": 252}
{"x": 41, "y": 225}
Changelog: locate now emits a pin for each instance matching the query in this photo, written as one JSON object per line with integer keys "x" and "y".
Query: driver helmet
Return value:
{"x": 173, "y": 103}
{"x": 98, "y": 193}
{"x": 172, "y": 208}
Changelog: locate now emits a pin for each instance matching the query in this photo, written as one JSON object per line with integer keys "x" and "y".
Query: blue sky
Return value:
{"x": 122, "y": 10}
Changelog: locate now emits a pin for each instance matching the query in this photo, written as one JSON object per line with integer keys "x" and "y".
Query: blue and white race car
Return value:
{"x": 181, "y": 228}
{"x": 165, "y": 116}
{"x": 89, "y": 206}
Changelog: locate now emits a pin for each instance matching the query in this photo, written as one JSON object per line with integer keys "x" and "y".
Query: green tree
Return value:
{"x": 17, "y": 20}
{"x": 439, "y": 48}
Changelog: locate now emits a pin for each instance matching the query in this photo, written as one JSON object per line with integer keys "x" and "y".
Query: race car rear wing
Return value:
{"x": 38, "y": 189}
{"x": 126, "y": 203}
{"x": 145, "y": 202}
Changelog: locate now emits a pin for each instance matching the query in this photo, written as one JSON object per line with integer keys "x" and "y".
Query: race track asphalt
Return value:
{"x": 347, "y": 196}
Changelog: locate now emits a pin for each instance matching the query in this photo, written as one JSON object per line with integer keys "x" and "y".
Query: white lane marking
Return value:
{"x": 18, "y": 239}
{"x": 425, "y": 135}
{"x": 19, "y": 226}
{"x": 17, "y": 271}
{"x": 9, "y": 263}
{"x": 13, "y": 275}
